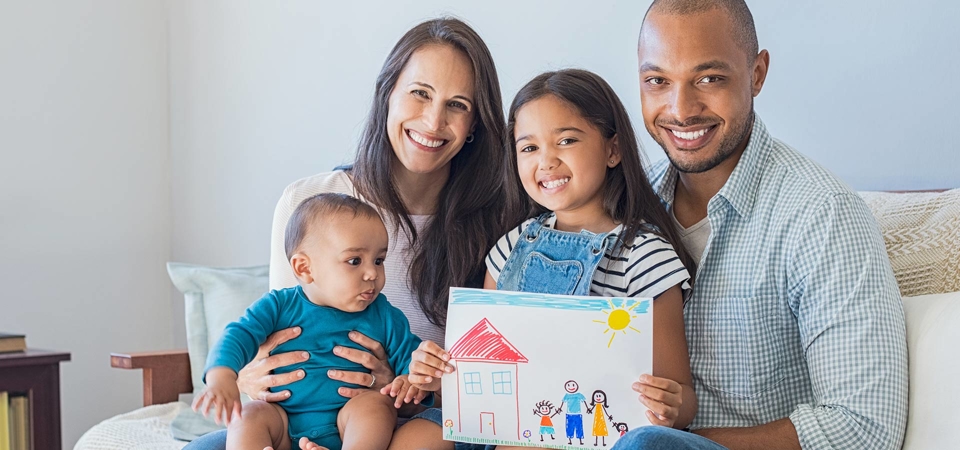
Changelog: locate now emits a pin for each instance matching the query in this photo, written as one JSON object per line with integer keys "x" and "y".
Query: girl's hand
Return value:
{"x": 403, "y": 391}
{"x": 662, "y": 397}
{"x": 428, "y": 364}
{"x": 221, "y": 394}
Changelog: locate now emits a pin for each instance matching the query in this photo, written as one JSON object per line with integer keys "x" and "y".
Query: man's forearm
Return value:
{"x": 779, "y": 434}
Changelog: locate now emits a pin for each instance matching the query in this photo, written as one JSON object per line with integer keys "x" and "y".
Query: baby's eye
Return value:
{"x": 354, "y": 261}
{"x": 378, "y": 261}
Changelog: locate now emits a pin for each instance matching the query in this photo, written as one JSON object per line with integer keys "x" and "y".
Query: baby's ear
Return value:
{"x": 300, "y": 263}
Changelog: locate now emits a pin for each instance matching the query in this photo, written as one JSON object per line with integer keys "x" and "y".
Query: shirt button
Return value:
{"x": 314, "y": 434}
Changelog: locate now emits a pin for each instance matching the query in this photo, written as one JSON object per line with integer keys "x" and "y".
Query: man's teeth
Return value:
{"x": 424, "y": 141}
{"x": 555, "y": 183}
{"x": 690, "y": 135}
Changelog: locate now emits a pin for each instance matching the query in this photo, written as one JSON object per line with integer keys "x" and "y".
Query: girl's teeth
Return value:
{"x": 690, "y": 135}
{"x": 555, "y": 183}
{"x": 424, "y": 141}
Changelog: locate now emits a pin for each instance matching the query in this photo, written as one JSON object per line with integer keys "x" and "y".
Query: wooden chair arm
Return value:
{"x": 166, "y": 374}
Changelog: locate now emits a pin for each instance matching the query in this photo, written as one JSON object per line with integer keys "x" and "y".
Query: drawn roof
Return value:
{"x": 484, "y": 343}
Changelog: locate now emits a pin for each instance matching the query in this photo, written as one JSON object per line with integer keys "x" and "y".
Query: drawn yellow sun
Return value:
{"x": 618, "y": 319}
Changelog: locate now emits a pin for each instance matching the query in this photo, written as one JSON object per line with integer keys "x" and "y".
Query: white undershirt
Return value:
{"x": 694, "y": 238}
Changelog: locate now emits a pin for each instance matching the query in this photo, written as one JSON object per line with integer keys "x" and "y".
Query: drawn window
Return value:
{"x": 471, "y": 383}
{"x": 503, "y": 383}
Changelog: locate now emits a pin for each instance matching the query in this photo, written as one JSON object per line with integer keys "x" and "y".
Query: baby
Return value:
{"x": 336, "y": 245}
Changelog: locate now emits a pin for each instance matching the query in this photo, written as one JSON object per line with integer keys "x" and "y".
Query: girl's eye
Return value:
{"x": 354, "y": 261}
{"x": 378, "y": 261}
{"x": 459, "y": 105}
{"x": 566, "y": 141}
{"x": 528, "y": 149}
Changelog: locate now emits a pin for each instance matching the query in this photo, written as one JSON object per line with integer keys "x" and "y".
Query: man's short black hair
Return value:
{"x": 744, "y": 32}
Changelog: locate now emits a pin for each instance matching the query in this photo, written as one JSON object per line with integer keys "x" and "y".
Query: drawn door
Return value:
{"x": 487, "y": 423}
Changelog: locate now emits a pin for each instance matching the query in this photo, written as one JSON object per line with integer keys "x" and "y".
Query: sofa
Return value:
{"x": 921, "y": 231}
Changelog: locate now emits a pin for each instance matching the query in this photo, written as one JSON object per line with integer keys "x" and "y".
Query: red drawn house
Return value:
{"x": 487, "y": 382}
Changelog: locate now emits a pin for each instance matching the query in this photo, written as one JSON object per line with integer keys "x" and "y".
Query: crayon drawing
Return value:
{"x": 538, "y": 370}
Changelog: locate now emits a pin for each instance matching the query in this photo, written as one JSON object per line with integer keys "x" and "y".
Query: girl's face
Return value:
{"x": 431, "y": 109}
{"x": 599, "y": 397}
{"x": 562, "y": 159}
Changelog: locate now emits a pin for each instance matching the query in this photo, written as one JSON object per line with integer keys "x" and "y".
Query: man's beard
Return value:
{"x": 728, "y": 145}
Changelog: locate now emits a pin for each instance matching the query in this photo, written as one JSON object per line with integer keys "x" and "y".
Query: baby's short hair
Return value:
{"x": 319, "y": 207}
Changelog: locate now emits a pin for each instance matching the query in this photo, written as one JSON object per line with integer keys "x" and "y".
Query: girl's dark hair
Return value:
{"x": 627, "y": 194}
{"x": 593, "y": 401}
{"x": 470, "y": 212}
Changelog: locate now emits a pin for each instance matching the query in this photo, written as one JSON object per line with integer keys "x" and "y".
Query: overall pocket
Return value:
{"x": 543, "y": 275}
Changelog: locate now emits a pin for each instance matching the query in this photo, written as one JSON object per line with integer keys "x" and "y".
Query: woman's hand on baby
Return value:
{"x": 404, "y": 391}
{"x": 221, "y": 394}
{"x": 257, "y": 378}
{"x": 663, "y": 397}
{"x": 428, "y": 364}
{"x": 374, "y": 359}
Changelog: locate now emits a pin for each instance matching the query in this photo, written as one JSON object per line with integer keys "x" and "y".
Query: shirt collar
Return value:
{"x": 740, "y": 190}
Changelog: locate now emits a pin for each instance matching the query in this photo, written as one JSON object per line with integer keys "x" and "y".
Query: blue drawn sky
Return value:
{"x": 463, "y": 296}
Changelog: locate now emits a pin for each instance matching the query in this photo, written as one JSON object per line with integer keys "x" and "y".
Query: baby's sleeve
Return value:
{"x": 240, "y": 340}
{"x": 498, "y": 255}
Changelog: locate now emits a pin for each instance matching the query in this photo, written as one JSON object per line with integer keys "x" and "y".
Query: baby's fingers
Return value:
{"x": 421, "y": 394}
{"x": 411, "y": 393}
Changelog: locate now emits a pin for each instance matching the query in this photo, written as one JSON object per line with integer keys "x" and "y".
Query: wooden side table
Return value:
{"x": 37, "y": 372}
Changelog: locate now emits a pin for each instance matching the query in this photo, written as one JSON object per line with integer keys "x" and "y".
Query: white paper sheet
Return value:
{"x": 516, "y": 354}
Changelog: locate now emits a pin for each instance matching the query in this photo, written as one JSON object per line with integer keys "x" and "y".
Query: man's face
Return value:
{"x": 697, "y": 87}
{"x": 571, "y": 386}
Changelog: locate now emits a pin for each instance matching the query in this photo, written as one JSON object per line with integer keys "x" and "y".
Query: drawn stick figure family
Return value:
{"x": 573, "y": 420}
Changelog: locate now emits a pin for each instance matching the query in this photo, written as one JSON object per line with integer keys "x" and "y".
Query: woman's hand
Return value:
{"x": 663, "y": 397}
{"x": 257, "y": 378}
{"x": 427, "y": 364}
{"x": 375, "y": 359}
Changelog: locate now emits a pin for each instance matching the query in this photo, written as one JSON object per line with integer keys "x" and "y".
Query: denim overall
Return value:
{"x": 549, "y": 261}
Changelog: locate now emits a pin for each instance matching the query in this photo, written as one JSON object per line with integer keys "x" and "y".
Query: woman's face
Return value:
{"x": 431, "y": 109}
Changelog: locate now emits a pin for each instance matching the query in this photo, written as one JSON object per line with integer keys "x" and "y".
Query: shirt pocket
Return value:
{"x": 735, "y": 348}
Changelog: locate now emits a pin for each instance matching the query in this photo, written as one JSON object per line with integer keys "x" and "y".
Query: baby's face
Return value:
{"x": 346, "y": 260}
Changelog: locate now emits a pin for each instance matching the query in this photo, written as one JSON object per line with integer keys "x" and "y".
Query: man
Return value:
{"x": 574, "y": 415}
{"x": 795, "y": 325}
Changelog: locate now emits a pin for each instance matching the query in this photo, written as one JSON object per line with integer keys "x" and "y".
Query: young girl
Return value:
{"x": 599, "y": 228}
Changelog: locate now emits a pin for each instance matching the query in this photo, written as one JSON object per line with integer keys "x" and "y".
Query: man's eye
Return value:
{"x": 354, "y": 261}
{"x": 710, "y": 79}
{"x": 655, "y": 81}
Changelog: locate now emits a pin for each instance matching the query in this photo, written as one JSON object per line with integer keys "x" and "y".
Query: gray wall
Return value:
{"x": 85, "y": 217}
{"x": 133, "y": 133}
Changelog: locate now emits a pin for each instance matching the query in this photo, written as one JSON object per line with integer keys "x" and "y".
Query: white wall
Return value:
{"x": 84, "y": 191}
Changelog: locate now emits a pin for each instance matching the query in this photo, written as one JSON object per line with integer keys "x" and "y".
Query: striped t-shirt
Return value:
{"x": 646, "y": 268}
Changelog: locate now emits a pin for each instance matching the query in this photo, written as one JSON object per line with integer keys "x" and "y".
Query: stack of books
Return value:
{"x": 14, "y": 421}
{"x": 12, "y": 342}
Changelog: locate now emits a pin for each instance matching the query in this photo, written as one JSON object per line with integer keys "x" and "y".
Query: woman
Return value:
{"x": 430, "y": 159}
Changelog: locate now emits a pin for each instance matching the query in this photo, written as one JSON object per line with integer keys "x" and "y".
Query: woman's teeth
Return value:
{"x": 554, "y": 183}
{"x": 418, "y": 138}
{"x": 690, "y": 135}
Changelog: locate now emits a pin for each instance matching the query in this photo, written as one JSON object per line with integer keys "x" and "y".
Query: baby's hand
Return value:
{"x": 662, "y": 397}
{"x": 427, "y": 365}
{"x": 221, "y": 392}
{"x": 403, "y": 391}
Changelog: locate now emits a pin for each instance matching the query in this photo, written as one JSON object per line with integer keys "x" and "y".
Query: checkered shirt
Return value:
{"x": 795, "y": 311}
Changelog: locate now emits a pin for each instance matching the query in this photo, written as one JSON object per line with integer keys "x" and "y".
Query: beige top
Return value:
{"x": 396, "y": 287}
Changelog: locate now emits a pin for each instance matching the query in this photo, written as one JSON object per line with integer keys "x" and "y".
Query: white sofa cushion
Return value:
{"x": 933, "y": 338}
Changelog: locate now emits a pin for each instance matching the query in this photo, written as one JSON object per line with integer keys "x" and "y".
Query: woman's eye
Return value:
{"x": 420, "y": 93}
{"x": 378, "y": 261}
{"x": 459, "y": 105}
{"x": 354, "y": 261}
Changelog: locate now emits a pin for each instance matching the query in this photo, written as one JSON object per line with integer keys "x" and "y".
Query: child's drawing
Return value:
{"x": 511, "y": 349}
